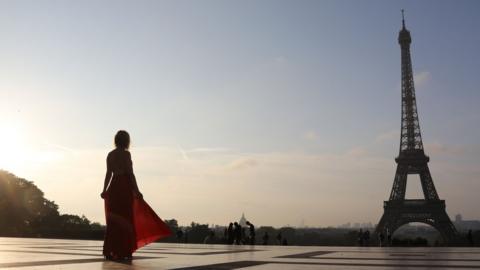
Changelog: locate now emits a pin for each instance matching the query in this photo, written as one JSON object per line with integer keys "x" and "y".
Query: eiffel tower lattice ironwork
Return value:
{"x": 412, "y": 160}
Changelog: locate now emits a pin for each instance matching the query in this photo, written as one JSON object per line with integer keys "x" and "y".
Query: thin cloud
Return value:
{"x": 422, "y": 78}
{"x": 183, "y": 153}
{"x": 242, "y": 163}
{"x": 281, "y": 60}
{"x": 357, "y": 152}
{"x": 439, "y": 148}
{"x": 60, "y": 147}
{"x": 387, "y": 136}
{"x": 208, "y": 150}
{"x": 310, "y": 136}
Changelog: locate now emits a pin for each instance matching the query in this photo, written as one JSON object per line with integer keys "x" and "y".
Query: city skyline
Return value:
{"x": 280, "y": 110}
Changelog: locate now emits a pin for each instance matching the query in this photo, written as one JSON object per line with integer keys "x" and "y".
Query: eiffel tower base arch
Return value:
{"x": 401, "y": 212}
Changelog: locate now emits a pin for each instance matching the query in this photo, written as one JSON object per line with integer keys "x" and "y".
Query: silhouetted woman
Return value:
{"x": 131, "y": 223}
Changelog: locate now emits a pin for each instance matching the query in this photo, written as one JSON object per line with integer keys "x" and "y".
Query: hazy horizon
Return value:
{"x": 282, "y": 110}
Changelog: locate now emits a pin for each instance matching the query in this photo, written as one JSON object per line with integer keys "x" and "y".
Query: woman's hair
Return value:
{"x": 122, "y": 139}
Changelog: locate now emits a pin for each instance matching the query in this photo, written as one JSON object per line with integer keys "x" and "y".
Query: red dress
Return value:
{"x": 131, "y": 223}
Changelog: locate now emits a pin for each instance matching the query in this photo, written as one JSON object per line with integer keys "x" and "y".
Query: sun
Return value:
{"x": 13, "y": 148}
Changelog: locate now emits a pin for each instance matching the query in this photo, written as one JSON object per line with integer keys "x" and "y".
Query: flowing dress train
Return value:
{"x": 131, "y": 222}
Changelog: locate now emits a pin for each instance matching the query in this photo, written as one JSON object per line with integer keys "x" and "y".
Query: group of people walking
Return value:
{"x": 385, "y": 239}
{"x": 236, "y": 234}
{"x": 364, "y": 238}
{"x": 279, "y": 239}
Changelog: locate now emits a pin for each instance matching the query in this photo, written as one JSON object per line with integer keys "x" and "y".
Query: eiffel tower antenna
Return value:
{"x": 411, "y": 159}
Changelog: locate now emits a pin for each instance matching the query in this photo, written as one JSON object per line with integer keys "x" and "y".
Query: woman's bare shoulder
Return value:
{"x": 114, "y": 154}
{"x": 120, "y": 153}
{"x": 111, "y": 153}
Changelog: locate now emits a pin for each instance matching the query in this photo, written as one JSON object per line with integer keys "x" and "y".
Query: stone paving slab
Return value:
{"x": 27, "y": 254}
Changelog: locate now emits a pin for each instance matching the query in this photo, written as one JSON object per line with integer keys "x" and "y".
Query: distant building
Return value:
{"x": 347, "y": 225}
{"x": 458, "y": 218}
{"x": 302, "y": 223}
{"x": 357, "y": 225}
{"x": 243, "y": 220}
{"x": 465, "y": 225}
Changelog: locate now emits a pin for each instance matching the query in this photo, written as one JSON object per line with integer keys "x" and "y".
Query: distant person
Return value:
{"x": 265, "y": 239}
{"x": 279, "y": 238}
{"x": 237, "y": 232}
{"x": 381, "y": 238}
{"x": 123, "y": 234}
{"x": 360, "y": 237}
{"x": 251, "y": 230}
{"x": 230, "y": 234}
{"x": 243, "y": 237}
{"x": 366, "y": 238}
{"x": 225, "y": 236}
{"x": 470, "y": 238}
{"x": 179, "y": 235}
{"x": 389, "y": 238}
{"x": 186, "y": 237}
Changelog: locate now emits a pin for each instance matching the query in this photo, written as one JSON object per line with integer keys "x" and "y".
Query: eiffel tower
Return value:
{"x": 412, "y": 160}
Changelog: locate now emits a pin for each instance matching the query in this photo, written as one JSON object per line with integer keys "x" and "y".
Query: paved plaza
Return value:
{"x": 27, "y": 253}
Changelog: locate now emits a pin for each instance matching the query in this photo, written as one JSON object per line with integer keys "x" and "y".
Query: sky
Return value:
{"x": 287, "y": 111}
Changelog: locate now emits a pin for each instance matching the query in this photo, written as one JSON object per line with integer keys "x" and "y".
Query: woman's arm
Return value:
{"x": 135, "y": 186}
{"x": 108, "y": 176}
{"x": 132, "y": 177}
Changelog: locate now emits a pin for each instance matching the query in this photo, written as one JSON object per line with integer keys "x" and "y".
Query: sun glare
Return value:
{"x": 13, "y": 148}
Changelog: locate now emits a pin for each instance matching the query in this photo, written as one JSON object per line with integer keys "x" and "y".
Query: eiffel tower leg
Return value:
{"x": 389, "y": 222}
{"x": 381, "y": 225}
{"x": 399, "y": 183}
{"x": 446, "y": 228}
{"x": 428, "y": 187}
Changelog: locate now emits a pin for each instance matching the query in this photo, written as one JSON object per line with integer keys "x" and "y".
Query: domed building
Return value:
{"x": 243, "y": 220}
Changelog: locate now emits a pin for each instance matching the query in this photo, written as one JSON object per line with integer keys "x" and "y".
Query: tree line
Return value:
{"x": 25, "y": 212}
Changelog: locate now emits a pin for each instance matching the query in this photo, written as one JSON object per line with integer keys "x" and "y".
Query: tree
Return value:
{"x": 197, "y": 232}
{"x": 24, "y": 211}
{"x": 22, "y": 206}
{"x": 173, "y": 225}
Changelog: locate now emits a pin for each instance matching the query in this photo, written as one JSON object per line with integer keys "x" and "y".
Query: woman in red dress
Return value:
{"x": 131, "y": 223}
